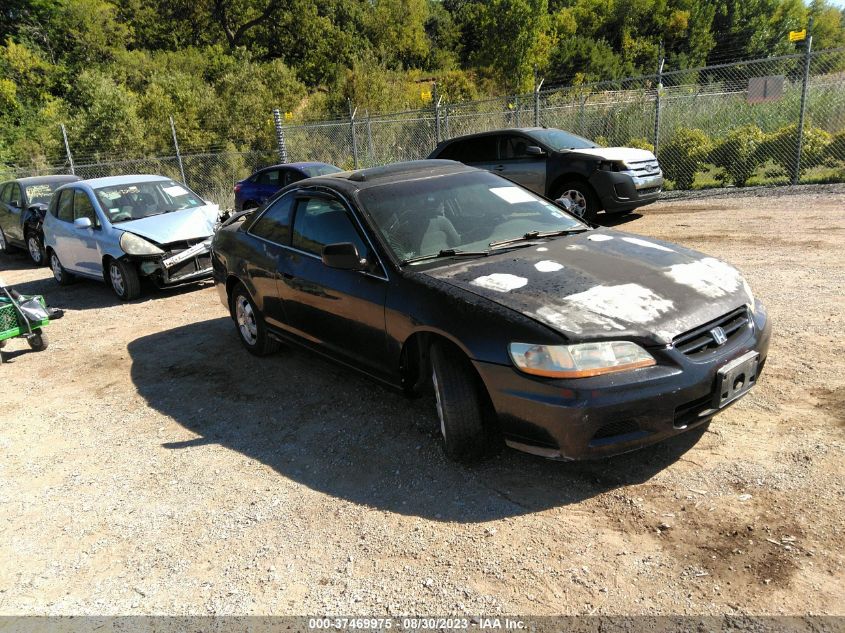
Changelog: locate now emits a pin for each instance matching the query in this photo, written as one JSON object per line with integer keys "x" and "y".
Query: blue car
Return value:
{"x": 123, "y": 228}
{"x": 253, "y": 191}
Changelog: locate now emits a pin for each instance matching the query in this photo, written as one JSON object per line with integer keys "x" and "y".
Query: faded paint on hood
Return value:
{"x": 623, "y": 154}
{"x": 605, "y": 284}
{"x": 176, "y": 226}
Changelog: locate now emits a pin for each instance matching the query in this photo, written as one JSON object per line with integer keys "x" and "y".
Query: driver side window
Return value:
{"x": 320, "y": 221}
{"x": 82, "y": 208}
{"x": 513, "y": 147}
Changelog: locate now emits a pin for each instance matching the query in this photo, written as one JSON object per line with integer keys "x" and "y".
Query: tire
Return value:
{"x": 460, "y": 404}
{"x": 38, "y": 340}
{"x": 5, "y": 247}
{"x": 62, "y": 276}
{"x": 582, "y": 196}
{"x": 35, "y": 248}
{"x": 249, "y": 324}
{"x": 124, "y": 280}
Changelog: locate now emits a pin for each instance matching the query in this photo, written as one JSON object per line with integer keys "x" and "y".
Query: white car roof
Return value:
{"x": 111, "y": 181}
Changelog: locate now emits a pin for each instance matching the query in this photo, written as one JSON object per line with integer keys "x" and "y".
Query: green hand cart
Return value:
{"x": 23, "y": 317}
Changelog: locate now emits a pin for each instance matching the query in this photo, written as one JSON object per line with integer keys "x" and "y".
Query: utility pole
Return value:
{"x": 280, "y": 136}
{"x": 67, "y": 149}
{"x": 538, "y": 83}
{"x": 178, "y": 154}
{"x": 800, "y": 148}
{"x": 352, "y": 132}
{"x": 657, "y": 100}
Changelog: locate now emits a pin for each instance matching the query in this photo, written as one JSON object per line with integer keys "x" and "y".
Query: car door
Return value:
{"x": 59, "y": 230}
{"x": 13, "y": 201}
{"x": 87, "y": 255}
{"x": 5, "y": 196}
{"x": 518, "y": 165}
{"x": 340, "y": 312}
{"x": 271, "y": 236}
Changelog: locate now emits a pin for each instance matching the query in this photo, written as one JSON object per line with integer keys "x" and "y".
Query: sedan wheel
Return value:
{"x": 36, "y": 250}
{"x": 250, "y": 324}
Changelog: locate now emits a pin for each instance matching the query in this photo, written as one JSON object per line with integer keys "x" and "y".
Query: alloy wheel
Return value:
{"x": 245, "y": 318}
{"x": 117, "y": 280}
{"x": 2, "y": 242}
{"x": 438, "y": 403}
{"x": 56, "y": 267}
{"x": 34, "y": 249}
{"x": 579, "y": 202}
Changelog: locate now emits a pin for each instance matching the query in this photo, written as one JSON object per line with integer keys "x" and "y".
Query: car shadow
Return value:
{"x": 615, "y": 219}
{"x": 337, "y": 432}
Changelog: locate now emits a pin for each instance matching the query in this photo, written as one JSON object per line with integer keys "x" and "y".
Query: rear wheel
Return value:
{"x": 62, "y": 276}
{"x": 460, "y": 404}
{"x": 582, "y": 200}
{"x": 4, "y": 245}
{"x": 124, "y": 280}
{"x": 35, "y": 247}
{"x": 38, "y": 340}
{"x": 252, "y": 331}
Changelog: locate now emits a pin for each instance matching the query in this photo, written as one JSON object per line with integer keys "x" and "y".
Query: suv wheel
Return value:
{"x": 581, "y": 199}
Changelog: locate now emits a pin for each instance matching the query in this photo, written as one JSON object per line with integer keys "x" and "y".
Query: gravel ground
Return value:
{"x": 151, "y": 466}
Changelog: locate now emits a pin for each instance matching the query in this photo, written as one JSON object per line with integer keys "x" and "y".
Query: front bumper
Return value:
{"x": 623, "y": 192}
{"x": 179, "y": 266}
{"x": 614, "y": 413}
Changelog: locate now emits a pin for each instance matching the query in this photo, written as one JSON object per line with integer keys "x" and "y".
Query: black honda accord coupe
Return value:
{"x": 533, "y": 328}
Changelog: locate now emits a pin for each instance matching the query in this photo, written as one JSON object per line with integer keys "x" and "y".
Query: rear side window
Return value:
{"x": 65, "y": 206}
{"x": 270, "y": 178}
{"x": 6, "y": 194}
{"x": 274, "y": 223}
{"x": 293, "y": 176}
{"x": 82, "y": 207}
{"x": 319, "y": 222}
{"x": 474, "y": 150}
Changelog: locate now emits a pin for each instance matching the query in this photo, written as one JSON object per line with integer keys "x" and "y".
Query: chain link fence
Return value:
{"x": 736, "y": 124}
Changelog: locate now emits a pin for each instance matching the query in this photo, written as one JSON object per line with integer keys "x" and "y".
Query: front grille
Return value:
{"x": 644, "y": 168}
{"x": 704, "y": 338}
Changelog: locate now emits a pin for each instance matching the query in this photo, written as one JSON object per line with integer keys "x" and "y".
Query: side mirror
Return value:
{"x": 15, "y": 203}
{"x": 82, "y": 223}
{"x": 533, "y": 150}
{"x": 343, "y": 256}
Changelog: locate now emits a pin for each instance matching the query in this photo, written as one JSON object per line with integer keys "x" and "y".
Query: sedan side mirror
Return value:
{"x": 82, "y": 223}
{"x": 533, "y": 150}
{"x": 343, "y": 256}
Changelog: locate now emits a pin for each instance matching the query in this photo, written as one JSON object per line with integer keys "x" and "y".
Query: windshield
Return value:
{"x": 41, "y": 193}
{"x": 320, "y": 170}
{"x": 133, "y": 201}
{"x": 466, "y": 211}
{"x": 558, "y": 139}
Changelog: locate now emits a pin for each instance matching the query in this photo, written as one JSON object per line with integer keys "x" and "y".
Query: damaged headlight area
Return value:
{"x": 134, "y": 245}
{"x": 579, "y": 361}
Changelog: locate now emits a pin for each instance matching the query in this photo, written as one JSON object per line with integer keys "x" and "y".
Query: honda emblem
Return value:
{"x": 718, "y": 335}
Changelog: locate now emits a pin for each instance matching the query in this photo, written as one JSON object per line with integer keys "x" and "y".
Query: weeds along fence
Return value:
{"x": 768, "y": 121}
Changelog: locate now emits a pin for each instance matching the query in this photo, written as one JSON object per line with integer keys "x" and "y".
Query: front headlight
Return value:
{"x": 579, "y": 361}
{"x": 134, "y": 245}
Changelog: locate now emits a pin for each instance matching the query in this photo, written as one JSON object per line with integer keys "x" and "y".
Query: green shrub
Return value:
{"x": 640, "y": 143}
{"x": 835, "y": 152}
{"x": 781, "y": 147}
{"x": 738, "y": 153}
{"x": 683, "y": 154}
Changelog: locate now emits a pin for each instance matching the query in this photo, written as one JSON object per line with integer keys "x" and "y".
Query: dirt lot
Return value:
{"x": 150, "y": 465}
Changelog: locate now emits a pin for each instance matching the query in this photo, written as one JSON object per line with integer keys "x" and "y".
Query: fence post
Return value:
{"x": 446, "y": 120}
{"x": 67, "y": 148}
{"x": 280, "y": 136}
{"x": 370, "y": 151}
{"x": 176, "y": 145}
{"x": 582, "y": 126}
{"x": 800, "y": 145}
{"x": 537, "y": 86}
{"x": 436, "y": 101}
{"x": 657, "y": 103}
{"x": 352, "y": 132}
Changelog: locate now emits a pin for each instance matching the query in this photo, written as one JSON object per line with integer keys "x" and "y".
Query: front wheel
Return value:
{"x": 252, "y": 331}
{"x": 35, "y": 247}
{"x": 580, "y": 199}
{"x": 460, "y": 404}
{"x": 4, "y": 245}
{"x": 124, "y": 280}
{"x": 37, "y": 341}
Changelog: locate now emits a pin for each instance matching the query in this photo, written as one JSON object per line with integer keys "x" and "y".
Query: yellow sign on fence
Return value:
{"x": 798, "y": 36}
{"x": 288, "y": 116}
{"x": 425, "y": 95}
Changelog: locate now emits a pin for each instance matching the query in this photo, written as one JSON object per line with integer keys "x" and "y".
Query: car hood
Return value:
{"x": 621, "y": 154}
{"x": 176, "y": 226}
{"x": 605, "y": 284}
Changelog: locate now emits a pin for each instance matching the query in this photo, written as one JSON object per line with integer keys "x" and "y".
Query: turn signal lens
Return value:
{"x": 579, "y": 361}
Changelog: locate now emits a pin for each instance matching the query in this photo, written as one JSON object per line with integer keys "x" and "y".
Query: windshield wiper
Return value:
{"x": 534, "y": 235}
{"x": 446, "y": 252}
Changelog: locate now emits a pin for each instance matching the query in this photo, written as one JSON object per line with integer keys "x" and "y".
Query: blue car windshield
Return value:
{"x": 465, "y": 211}
{"x": 136, "y": 200}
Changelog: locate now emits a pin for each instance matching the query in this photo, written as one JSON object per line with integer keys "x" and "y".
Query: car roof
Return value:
{"x": 360, "y": 179}
{"x": 41, "y": 180}
{"x": 492, "y": 132}
{"x": 111, "y": 181}
{"x": 298, "y": 165}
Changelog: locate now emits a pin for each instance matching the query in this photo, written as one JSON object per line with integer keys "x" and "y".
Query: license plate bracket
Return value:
{"x": 735, "y": 379}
